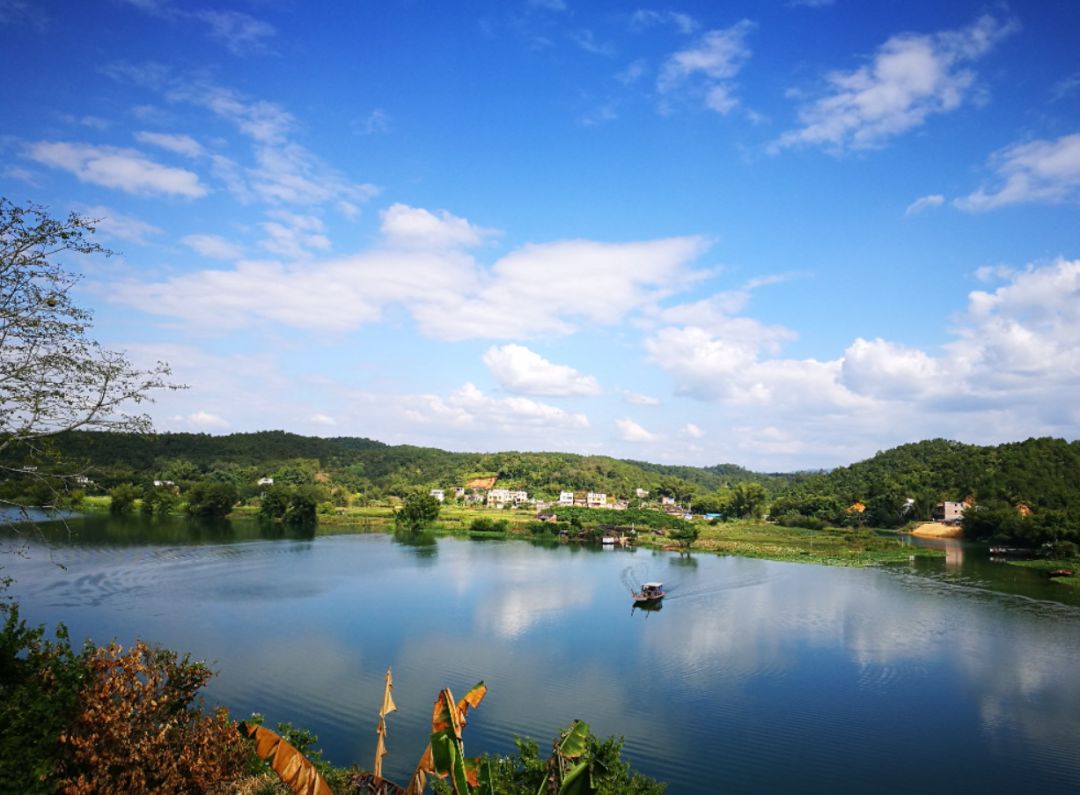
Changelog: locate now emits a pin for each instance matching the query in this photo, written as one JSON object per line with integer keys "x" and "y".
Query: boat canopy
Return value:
{"x": 652, "y": 586}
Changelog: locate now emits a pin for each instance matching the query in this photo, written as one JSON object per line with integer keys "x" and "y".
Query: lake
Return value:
{"x": 755, "y": 677}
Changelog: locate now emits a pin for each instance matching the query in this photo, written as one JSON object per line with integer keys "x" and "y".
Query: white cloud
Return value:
{"x": 521, "y": 370}
{"x": 331, "y": 295}
{"x": 377, "y": 122}
{"x": 112, "y": 167}
{"x": 630, "y": 431}
{"x": 646, "y": 18}
{"x": 910, "y": 78}
{"x": 538, "y": 289}
{"x": 1011, "y": 370}
{"x": 713, "y": 61}
{"x": 921, "y": 204}
{"x": 125, "y": 227}
{"x": 206, "y": 420}
{"x": 889, "y": 371}
{"x": 407, "y": 226}
{"x": 241, "y": 33}
{"x": 637, "y": 399}
{"x": 173, "y": 142}
{"x": 213, "y": 246}
{"x": 693, "y": 431}
{"x": 293, "y": 236}
{"x": 469, "y": 407}
{"x": 553, "y": 288}
{"x": 283, "y": 171}
{"x": 322, "y": 419}
{"x": 1036, "y": 171}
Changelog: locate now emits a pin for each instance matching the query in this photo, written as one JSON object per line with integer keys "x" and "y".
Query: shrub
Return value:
{"x": 39, "y": 687}
{"x": 211, "y": 500}
{"x": 139, "y": 728}
{"x": 122, "y": 498}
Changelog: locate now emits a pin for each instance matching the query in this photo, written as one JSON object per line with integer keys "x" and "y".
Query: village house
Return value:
{"x": 596, "y": 499}
{"x": 499, "y": 498}
{"x": 438, "y": 494}
{"x": 949, "y": 512}
{"x": 264, "y": 482}
{"x": 641, "y": 493}
{"x": 566, "y": 498}
{"x": 667, "y": 500}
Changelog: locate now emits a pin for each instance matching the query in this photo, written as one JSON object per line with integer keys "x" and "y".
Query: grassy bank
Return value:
{"x": 1048, "y": 566}
{"x": 828, "y": 547}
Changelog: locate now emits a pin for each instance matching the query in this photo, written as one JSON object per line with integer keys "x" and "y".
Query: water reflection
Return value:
{"x": 798, "y": 673}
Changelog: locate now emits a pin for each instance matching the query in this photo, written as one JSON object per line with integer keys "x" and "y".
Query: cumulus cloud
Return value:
{"x": 332, "y": 295}
{"x": 521, "y": 370}
{"x": 469, "y": 407}
{"x": 554, "y": 288}
{"x": 1035, "y": 171}
{"x": 692, "y": 430}
{"x": 630, "y": 431}
{"x": 924, "y": 203}
{"x": 1011, "y": 368}
{"x": 205, "y": 420}
{"x": 113, "y": 167}
{"x": 710, "y": 64}
{"x": 909, "y": 78}
{"x": 409, "y": 227}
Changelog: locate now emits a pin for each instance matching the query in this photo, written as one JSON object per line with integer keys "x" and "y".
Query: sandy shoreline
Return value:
{"x": 937, "y": 530}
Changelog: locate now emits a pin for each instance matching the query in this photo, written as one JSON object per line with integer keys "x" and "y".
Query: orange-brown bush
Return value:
{"x": 140, "y": 729}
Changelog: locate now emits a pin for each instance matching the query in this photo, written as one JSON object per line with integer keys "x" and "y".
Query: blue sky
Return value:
{"x": 778, "y": 234}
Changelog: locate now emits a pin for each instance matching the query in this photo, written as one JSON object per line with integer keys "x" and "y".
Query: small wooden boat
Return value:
{"x": 1062, "y": 573}
{"x": 650, "y": 593}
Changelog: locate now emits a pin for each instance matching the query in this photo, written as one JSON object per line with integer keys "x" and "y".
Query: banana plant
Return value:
{"x": 566, "y": 775}
{"x": 445, "y": 753}
{"x": 291, "y": 766}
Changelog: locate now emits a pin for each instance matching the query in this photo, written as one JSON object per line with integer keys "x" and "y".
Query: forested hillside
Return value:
{"x": 377, "y": 469}
{"x": 905, "y": 483}
{"x": 894, "y": 487}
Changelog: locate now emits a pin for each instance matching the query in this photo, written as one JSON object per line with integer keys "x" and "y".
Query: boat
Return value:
{"x": 650, "y": 593}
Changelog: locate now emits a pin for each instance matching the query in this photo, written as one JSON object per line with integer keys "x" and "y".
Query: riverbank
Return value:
{"x": 938, "y": 530}
{"x": 851, "y": 547}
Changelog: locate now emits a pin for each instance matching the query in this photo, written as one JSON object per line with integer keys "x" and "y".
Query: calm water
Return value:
{"x": 754, "y": 677}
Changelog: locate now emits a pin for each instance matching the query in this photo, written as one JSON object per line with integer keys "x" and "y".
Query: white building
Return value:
{"x": 438, "y": 494}
{"x": 265, "y": 482}
{"x": 501, "y": 497}
{"x": 566, "y": 498}
{"x": 641, "y": 493}
{"x": 596, "y": 499}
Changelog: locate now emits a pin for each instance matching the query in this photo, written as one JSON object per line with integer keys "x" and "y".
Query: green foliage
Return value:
{"x": 295, "y": 506}
{"x": 54, "y": 377}
{"x": 122, "y": 498}
{"x": 685, "y": 536}
{"x": 39, "y": 686}
{"x": 603, "y": 767}
{"x": 485, "y": 525}
{"x": 211, "y": 500}
{"x": 416, "y": 512}
{"x": 159, "y": 500}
